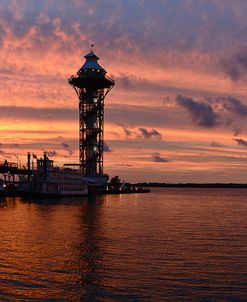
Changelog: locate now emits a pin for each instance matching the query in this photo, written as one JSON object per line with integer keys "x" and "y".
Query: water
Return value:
{"x": 169, "y": 245}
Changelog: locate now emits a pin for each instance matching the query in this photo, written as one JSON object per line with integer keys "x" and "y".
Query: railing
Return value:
{"x": 8, "y": 164}
{"x": 110, "y": 79}
{"x": 95, "y": 75}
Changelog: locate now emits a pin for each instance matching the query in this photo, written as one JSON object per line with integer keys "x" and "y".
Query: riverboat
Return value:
{"x": 49, "y": 180}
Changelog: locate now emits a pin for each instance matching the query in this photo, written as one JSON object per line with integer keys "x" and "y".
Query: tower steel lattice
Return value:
{"x": 91, "y": 85}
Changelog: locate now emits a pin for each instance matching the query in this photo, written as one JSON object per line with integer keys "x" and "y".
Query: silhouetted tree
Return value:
{"x": 106, "y": 176}
{"x": 115, "y": 182}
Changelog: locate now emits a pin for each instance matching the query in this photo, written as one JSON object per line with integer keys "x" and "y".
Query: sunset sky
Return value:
{"x": 178, "y": 110}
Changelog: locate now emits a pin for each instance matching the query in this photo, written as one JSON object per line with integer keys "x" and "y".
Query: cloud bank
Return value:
{"x": 202, "y": 114}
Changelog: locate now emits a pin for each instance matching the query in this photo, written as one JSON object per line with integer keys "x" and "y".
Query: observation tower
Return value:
{"x": 91, "y": 85}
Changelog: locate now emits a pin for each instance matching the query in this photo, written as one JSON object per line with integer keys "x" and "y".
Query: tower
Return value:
{"x": 91, "y": 85}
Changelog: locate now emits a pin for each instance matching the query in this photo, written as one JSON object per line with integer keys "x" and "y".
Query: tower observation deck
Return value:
{"x": 91, "y": 85}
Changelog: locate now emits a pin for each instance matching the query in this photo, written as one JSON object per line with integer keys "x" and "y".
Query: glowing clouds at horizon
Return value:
{"x": 178, "y": 108}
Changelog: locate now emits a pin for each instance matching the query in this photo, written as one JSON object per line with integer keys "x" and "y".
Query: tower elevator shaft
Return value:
{"x": 91, "y": 111}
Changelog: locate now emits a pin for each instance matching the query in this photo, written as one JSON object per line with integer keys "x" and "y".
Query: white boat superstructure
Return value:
{"x": 50, "y": 180}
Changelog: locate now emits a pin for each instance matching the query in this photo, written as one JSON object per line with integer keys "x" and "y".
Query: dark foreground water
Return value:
{"x": 169, "y": 245}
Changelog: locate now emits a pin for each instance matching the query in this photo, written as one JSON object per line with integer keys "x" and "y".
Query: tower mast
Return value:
{"x": 91, "y": 85}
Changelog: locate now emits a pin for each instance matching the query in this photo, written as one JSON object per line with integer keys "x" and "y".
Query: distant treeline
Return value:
{"x": 191, "y": 185}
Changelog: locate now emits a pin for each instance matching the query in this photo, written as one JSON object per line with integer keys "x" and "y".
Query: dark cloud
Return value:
{"x": 51, "y": 153}
{"x": 237, "y": 131}
{"x": 67, "y": 148}
{"x": 216, "y": 144}
{"x": 115, "y": 134}
{"x": 128, "y": 133}
{"x": 13, "y": 145}
{"x": 71, "y": 152}
{"x": 122, "y": 115}
{"x": 241, "y": 142}
{"x": 106, "y": 148}
{"x": 19, "y": 112}
{"x": 206, "y": 114}
{"x": 140, "y": 133}
{"x": 233, "y": 105}
{"x": 124, "y": 165}
{"x": 130, "y": 29}
{"x": 65, "y": 145}
{"x": 147, "y": 134}
{"x": 158, "y": 159}
{"x": 131, "y": 82}
{"x": 127, "y": 23}
{"x": 236, "y": 66}
{"x": 202, "y": 114}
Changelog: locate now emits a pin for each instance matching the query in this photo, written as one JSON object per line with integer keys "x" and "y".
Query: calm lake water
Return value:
{"x": 169, "y": 245}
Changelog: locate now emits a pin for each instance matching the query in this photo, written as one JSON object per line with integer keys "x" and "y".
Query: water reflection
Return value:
{"x": 56, "y": 242}
{"x": 89, "y": 250}
{"x": 170, "y": 245}
{"x": 86, "y": 250}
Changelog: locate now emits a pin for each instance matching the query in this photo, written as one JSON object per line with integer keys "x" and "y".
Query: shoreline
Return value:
{"x": 193, "y": 185}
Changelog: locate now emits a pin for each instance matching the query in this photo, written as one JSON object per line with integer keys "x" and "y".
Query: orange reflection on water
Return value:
{"x": 160, "y": 246}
